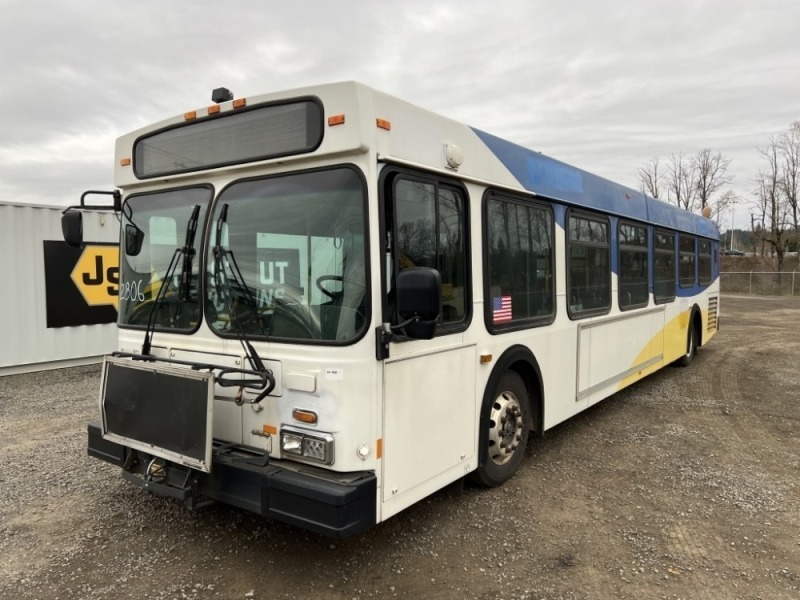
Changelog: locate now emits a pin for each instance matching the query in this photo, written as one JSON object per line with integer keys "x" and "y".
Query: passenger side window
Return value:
{"x": 519, "y": 273}
{"x": 704, "y": 262}
{"x": 588, "y": 265}
{"x": 687, "y": 264}
{"x": 633, "y": 265}
{"x": 664, "y": 267}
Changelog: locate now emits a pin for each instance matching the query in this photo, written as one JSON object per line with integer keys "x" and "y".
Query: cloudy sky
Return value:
{"x": 604, "y": 85}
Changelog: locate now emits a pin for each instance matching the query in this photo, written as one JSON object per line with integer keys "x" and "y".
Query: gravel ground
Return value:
{"x": 686, "y": 485}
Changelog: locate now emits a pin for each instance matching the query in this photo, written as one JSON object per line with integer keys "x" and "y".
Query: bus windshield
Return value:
{"x": 154, "y": 229}
{"x": 287, "y": 258}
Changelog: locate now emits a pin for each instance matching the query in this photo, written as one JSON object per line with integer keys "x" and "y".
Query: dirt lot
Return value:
{"x": 686, "y": 485}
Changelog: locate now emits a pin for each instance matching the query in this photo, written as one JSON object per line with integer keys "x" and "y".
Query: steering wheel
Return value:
{"x": 324, "y": 278}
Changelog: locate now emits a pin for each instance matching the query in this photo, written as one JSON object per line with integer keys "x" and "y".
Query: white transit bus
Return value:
{"x": 333, "y": 303}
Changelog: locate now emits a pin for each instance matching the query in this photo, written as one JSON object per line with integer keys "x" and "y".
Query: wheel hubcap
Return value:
{"x": 505, "y": 428}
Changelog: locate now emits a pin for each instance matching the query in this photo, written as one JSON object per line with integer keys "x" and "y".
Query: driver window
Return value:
{"x": 429, "y": 230}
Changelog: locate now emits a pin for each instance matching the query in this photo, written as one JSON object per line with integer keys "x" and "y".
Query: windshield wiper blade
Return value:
{"x": 185, "y": 291}
{"x": 162, "y": 292}
{"x": 186, "y": 251}
{"x": 221, "y": 257}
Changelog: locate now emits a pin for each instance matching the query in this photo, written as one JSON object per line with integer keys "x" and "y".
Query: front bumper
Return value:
{"x": 330, "y": 503}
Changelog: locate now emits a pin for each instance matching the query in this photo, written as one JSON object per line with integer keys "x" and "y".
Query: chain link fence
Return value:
{"x": 760, "y": 283}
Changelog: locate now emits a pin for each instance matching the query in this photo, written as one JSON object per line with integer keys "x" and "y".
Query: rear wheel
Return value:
{"x": 504, "y": 431}
{"x": 691, "y": 347}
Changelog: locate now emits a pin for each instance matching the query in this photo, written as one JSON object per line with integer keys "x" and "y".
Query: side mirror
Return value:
{"x": 134, "y": 237}
{"x": 419, "y": 300}
{"x": 72, "y": 228}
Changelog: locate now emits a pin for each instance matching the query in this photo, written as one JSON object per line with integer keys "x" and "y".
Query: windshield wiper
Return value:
{"x": 187, "y": 251}
{"x": 188, "y": 254}
{"x": 221, "y": 258}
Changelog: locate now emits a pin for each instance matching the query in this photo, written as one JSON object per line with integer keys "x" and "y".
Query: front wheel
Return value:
{"x": 504, "y": 431}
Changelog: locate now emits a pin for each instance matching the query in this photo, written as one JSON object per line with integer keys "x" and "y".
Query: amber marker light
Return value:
{"x": 240, "y": 103}
{"x": 335, "y": 120}
{"x": 486, "y": 359}
{"x": 189, "y": 116}
{"x": 304, "y": 416}
{"x": 124, "y": 162}
{"x": 270, "y": 429}
{"x": 213, "y": 109}
{"x": 383, "y": 124}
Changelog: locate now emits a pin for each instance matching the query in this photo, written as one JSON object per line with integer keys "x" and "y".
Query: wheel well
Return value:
{"x": 697, "y": 324}
{"x": 522, "y": 361}
{"x": 533, "y": 384}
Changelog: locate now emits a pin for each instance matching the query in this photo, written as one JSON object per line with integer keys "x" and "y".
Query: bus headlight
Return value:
{"x": 292, "y": 444}
{"x": 317, "y": 447}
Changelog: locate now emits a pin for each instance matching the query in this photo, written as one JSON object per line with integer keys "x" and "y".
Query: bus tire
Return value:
{"x": 504, "y": 431}
{"x": 691, "y": 346}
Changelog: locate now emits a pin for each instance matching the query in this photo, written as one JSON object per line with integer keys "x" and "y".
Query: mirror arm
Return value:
{"x": 414, "y": 319}
{"x": 116, "y": 205}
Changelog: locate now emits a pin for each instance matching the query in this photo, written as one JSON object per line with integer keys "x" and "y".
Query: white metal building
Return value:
{"x": 33, "y": 336}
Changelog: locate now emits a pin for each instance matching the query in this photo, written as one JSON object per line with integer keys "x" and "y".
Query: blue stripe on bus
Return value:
{"x": 551, "y": 178}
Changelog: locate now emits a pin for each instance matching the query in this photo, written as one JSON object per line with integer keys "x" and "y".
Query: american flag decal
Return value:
{"x": 501, "y": 309}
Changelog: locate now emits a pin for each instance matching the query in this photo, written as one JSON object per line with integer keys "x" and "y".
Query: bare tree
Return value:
{"x": 711, "y": 173}
{"x": 650, "y": 178}
{"x": 771, "y": 195}
{"x": 758, "y": 218}
{"x": 757, "y": 234}
{"x": 681, "y": 181}
{"x": 790, "y": 171}
{"x": 728, "y": 199}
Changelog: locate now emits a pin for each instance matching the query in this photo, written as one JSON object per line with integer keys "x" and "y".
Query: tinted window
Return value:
{"x": 588, "y": 265}
{"x": 687, "y": 258}
{"x": 664, "y": 267}
{"x": 519, "y": 249}
{"x": 633, "y": 265}
{"x": 429, "y": 231}
{"x": 704, "y": 261}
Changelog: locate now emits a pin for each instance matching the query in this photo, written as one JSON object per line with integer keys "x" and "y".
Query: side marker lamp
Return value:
{"x": 304, "y": 416}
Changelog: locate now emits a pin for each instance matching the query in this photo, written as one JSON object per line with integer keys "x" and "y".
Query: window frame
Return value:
{"x": 598, "y": 218}
{"x": 493, "y": 195}
{"x": 645, "y": 249}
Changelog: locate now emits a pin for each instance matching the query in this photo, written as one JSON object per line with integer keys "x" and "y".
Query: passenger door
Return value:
{"x": 430, "y": 420}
